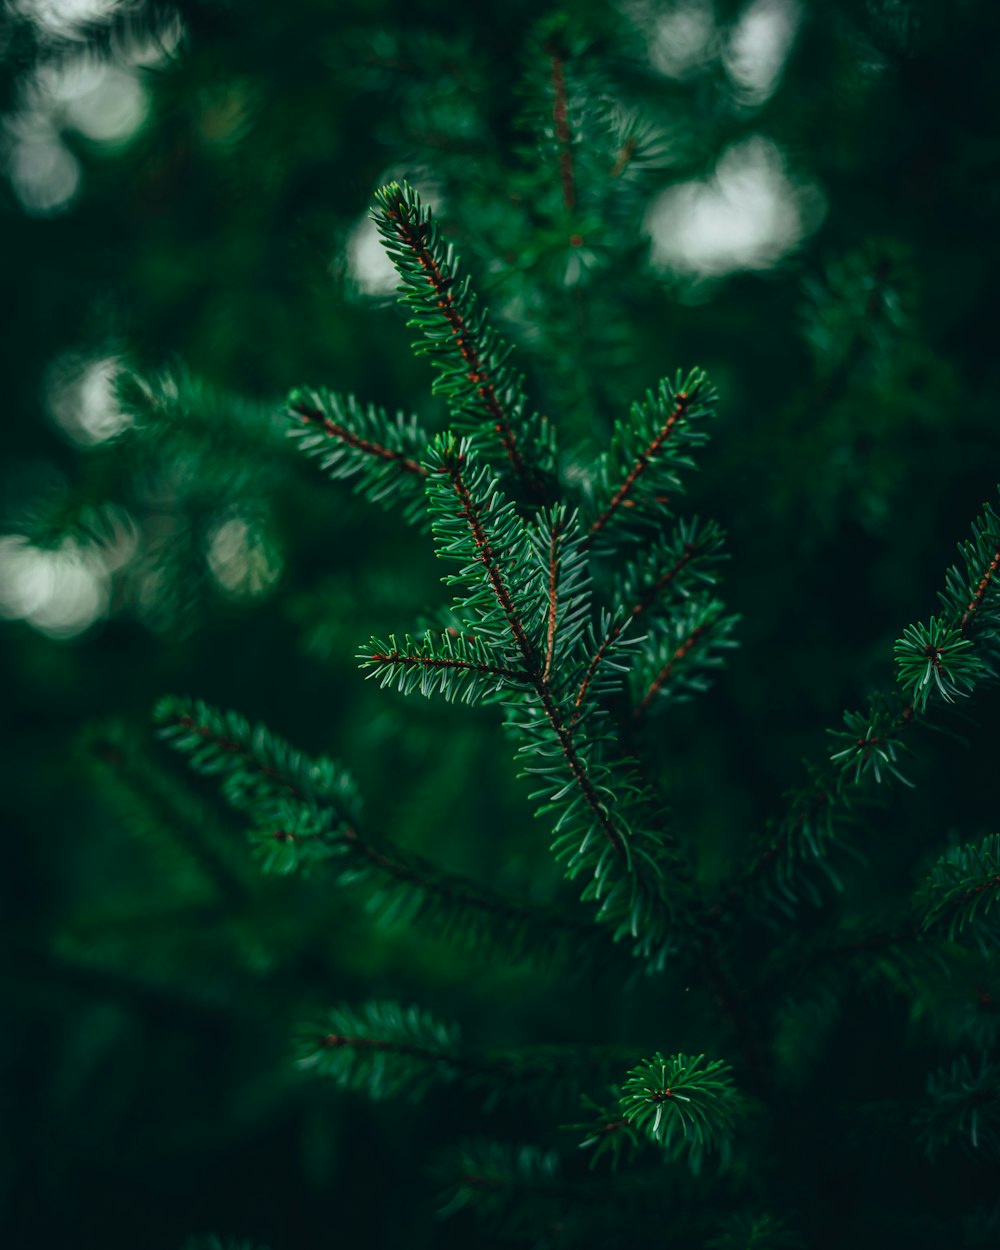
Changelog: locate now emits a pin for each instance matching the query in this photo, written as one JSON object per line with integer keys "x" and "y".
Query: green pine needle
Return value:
{"x": 485, "y": 396}
{"x": 963, "y": 890}
{"x": 687, "y": 1104}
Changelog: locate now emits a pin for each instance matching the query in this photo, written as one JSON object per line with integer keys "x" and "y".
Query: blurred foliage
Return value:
{"x": 184, "y": 193}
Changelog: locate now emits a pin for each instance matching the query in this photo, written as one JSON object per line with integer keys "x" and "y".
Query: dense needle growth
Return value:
{"x": 780, "y": 1034}
{"x": 585, "y": 610}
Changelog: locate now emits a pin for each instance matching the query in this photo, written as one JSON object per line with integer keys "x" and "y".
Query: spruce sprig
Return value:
{"x": 381, "y": 1048}
{"x": 452, "y": 664}
{"x": 503, "y": 1183}
{"x": 962, "y": 1105}
{"x": 963, "y": 891}
{"x": 673, "y": 566}
{"x": 255, "y": 768}
{"x": 387, "y": 1050}
{"x": 635, "y": 478}
{"x": 947, "y": 657}
{"x": 306, "y": 813}
{"x": 669, "y": 570}
{"x": 687, "y": 1104}
{"x": 678, "y": 659}
{"x": 608, "y": 1133}
{"x": 971, "y": 595}
{"x": 484, "y": 394}
{"x": 936, "y": 660}
{"x": 606, "y": 825}
{"x": 363, "y": 444}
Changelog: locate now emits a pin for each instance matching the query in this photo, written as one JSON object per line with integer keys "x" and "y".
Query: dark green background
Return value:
{"x": 147, "y": 1090}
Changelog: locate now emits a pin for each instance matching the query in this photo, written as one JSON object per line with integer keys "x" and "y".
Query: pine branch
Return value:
{"x": 491, "y": 542}
{"x": 484, "y": 394}
{"x": 673, "y": 567}
{"x": 499, "y": 1181}
{"x": 872, "y": 742}
{"x": 793, "y": 857}
{"x": 963, "y": 889}
{"x": 935, "y": 663}
{"x": 416, "y": 889}
{"x": 451, "y": 664}
{"x": 174, "y": 408}
{"x": 381, "y": 454}
{"x": 381, "y": 1049}
{"x": 686, "y": 1104}
{"x": 986, "y": 586}
{"x": 678, "y": 660}
{"x": 560, "y": 119}
{"x": 387, "y": 1051}
{"x": 552, "y": 615}
{"x": 561, "y": 588}
{"x": 949, "y": 656}
{"x": 963, "y": 1103}
{"x": 604, "y": 669}
{"x": 605, "y": 825}
{"x": 608, "y": 1134}
{"x": 306, "y": 813}
{"x": 652, "y": 582}
{"x": 648, "y": 452}
{"x": 155, "y": 807}
{"x": 937, "y": 660}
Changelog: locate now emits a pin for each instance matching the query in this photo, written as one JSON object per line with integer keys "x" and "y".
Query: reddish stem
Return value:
{"x": 412, "y": 234}
{"x": 431, "y": 661}
{"x": 642, "y": 462}
{"x": 665, "y": 673}
{"x": 314, "y": 416}
{"x": 644, "y": 602}
{"x": 976, "y": 601}
{"x": 560, "y": 116}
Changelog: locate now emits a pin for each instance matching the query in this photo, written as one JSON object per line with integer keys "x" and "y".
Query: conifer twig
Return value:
{"x": 560, "y": 118}
{"x": 395, "y": 659}
{"x": 478, "y": 376}
{"x": 605, "y": 827}
{"x": 553, "y": 595}
{"x": 666, "y": 672}
{"x": 642, "y": 604}
{"x": 452, "y": 467}
{"x": 305, "y": 833}
{"x": 986, "y": 583}
{"x": 621, "y": 496}
{"x": 318, "y": 419}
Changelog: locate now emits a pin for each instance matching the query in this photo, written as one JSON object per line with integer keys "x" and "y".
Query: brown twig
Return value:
{"x": 666, "y": 672}
{"x": 643, "y": 603}
{"x": 534, "y": 672}
{"x": 432, "y": 661}
{"x": 315, "y": 417}
{"x": 553, "y": 598}
{"x": 560, "y": 117}
{"x": 976, "y": 601}
{"x": 412, "y": 234}
{"x": 642, "y": 462}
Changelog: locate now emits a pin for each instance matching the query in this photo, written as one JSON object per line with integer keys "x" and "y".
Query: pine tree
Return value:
{"x": 585, "y": 611}
{"x": 759, "y": 1026}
